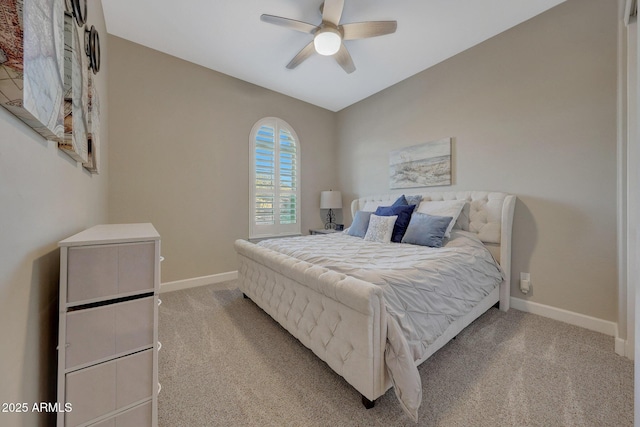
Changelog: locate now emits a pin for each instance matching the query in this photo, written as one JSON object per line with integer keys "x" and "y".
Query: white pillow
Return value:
{"x": 450, "y": 208}
{"x": 380, "y": 228}
{"x": 371, "y": 206}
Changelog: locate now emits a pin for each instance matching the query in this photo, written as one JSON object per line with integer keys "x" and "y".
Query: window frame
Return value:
{"x": 275, "y": 230}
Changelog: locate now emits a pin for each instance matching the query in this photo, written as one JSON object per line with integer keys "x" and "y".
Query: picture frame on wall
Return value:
{"x": 422, "y": 165}
{"x": 47, "y": 54}
{"x": 93, "y": 135}
{"x": 32, "y": 64}
{"x": 76, "y": 99}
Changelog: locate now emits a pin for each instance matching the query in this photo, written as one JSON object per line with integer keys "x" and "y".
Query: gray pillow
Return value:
{"x": 413, "y": 200}
{"x": 426, "y": 230}
{"x": 360, "y": 224}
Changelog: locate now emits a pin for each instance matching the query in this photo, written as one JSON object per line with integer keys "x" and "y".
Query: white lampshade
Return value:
{"x": 330, "y": 200}
{"x": 327, "y": 41}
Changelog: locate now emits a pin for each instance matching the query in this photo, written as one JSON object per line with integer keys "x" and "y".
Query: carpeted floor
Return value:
{"x": 224, "y": 362}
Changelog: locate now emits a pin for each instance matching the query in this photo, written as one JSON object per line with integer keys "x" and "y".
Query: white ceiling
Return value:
{"x": 228, "y": 36}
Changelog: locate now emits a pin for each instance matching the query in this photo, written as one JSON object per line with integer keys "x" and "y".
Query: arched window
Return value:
{"x": 274, "y": 179}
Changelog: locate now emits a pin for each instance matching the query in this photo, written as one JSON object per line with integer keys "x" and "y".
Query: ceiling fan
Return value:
{"x": 328, "y": 37}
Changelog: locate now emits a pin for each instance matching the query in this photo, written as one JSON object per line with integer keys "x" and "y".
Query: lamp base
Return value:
{"x": 330, "y": 225}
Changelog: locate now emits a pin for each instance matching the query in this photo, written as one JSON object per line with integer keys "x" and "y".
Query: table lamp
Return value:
{"x": 330, "y": 200}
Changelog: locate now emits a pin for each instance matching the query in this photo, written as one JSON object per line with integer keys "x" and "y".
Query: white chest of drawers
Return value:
{"x": 108, "y": 326}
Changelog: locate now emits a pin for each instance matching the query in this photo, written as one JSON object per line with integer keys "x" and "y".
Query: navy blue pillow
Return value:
{"x": 360, "y": 224}
{"x": 404, "y": 216}
{"x": 401, "y": 201}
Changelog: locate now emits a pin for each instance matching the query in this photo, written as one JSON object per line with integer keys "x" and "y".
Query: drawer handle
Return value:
{"x": 159, "y": 388}
{"x": 159, "y": 302}
{"x": 161, "y": 258}
{"x": 159, "y": 346}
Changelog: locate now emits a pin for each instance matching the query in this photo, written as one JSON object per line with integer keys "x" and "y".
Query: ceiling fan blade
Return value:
{"x": 301, "y": 56}
{"x": 344, "y": 59}
{"x": 332, "y": 11}
{"x": 292, "y": 24}
{"x": 363, "y": 30}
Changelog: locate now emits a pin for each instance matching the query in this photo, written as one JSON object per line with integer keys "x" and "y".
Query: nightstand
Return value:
{"x": 323, "y": 231}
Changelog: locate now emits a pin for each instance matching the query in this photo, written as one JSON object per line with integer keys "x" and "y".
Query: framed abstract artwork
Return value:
{"x": 47, "y": 54}
{"x": 32, "y": 63}
{"x": 422, "y": 165}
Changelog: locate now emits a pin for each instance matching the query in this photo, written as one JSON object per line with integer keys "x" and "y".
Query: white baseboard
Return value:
{"x": 592, "y": 323}
{"x": 620, "y": 346}
{"x": 630, "y": 351}
{"x": 198, "y": 281}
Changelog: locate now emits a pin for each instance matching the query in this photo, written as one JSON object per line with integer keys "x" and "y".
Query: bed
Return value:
{"x": 337, "y": 293}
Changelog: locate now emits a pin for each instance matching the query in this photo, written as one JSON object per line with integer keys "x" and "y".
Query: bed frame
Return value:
{"x": 343, "y": 319}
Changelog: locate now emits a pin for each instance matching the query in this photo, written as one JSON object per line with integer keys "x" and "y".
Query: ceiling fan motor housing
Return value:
{"x": 327, "y": 40}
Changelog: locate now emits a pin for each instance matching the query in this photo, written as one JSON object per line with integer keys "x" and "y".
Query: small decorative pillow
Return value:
{"x": 380, "y": 228}
{"x": 400, "y": 201}
{"x": 445, "y": 208}
{"x": 360, "y": 224}
{"x": 413, "y": 200}
{"x": 463, "y": 218}
{"x": 404, "y": 216}
{"x": 426, "y": 230}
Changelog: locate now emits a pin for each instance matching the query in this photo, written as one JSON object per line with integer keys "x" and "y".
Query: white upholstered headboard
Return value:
{"x": 487, "y": 214}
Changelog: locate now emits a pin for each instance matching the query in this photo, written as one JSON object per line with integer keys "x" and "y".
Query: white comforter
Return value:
{"x": 425, "y": 290}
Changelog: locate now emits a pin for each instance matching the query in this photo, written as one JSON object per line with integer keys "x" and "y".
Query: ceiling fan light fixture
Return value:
{"x": 327, "y": 41}
{"x": 328, "y": 37}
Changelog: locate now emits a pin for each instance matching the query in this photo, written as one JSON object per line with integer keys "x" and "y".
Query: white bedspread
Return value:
{"x": 425, "y": 290}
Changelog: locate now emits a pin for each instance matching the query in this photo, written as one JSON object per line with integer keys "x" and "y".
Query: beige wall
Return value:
{"x": 179, "y": 155}
{"x": 44, "y": 197}
{"x": 532, "y": 112}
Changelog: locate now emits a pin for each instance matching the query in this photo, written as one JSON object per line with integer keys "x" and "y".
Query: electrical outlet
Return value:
{"x": 525, "y": 283}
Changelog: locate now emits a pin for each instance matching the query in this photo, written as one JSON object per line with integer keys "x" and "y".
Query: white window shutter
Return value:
{"x": 274, "y": 179}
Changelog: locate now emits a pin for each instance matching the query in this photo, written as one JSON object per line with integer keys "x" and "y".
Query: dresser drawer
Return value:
{"x": 138, "y": 416}
{"x": 96, "y": 272}
{"x": 91, "y": 393}
{"x": 98, "y": 390}
{"x": 99, "y": 333}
